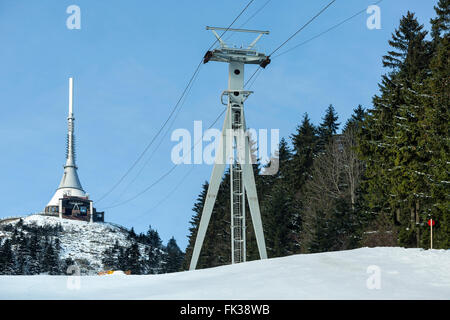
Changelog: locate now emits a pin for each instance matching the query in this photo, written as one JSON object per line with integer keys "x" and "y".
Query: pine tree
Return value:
{"x": 278, "y": 208}
{"x": 34, "y": 253}
{"x": 435, "y": 97}
{"x": 50, "y": 261}
{"x": 122, "y": 259}
{"x": 132, "y": 234}
{"x": 217, "y": 243}
{"x": 280, "y": 162}
{"x": 24, "y": 260}
{"x": 154, "y": 253}
{"x": 153, "y": 238}
{"x": 7, "y": 258}
{"x": 389, "y": 136}
{"x": 195, "y": 221}
{"x": 441, "y": 24}
{"x": 356, "y": 120}
{"x": 174, "y": 257}
{"x": 133, "y": 259}
{"x": 216, "y": 250}
{"x": 305, "y": 142}
{"x": 329, "y": 126}
{"x": 278, "y": 216}
{"x": 401, "y": 59}
{"x": 109, "y": 259}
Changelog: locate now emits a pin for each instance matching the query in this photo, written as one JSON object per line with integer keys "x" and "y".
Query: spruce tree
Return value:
{"x": 194, "y": 222}
{"x": 440, "y": 25}
{"x": 51, "y": 261}
{"x": 409, "y": 34}
{"x": 154, "y": 252}
{"x": 278, "y": 213}
{"x": 133, "y": 259}
{"x": 305, "y": 143}
{"x": 434, "y": 142}
{"x": 328, "y": 127}
{"x": 217, "y": 243}
{"x": 174, "y": 257}
{"x": 390, "y": 134}
{"x": 7, "y": 258}
{"x": 132, "y": 234}
{"x": 109, "y": 259}
{"x": 356, "y": 120}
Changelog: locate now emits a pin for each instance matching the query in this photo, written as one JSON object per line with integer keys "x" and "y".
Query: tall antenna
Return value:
{"x": 70, "y": 183}
{"x": 70, "y": 156}
{"x": 234, "y": 149}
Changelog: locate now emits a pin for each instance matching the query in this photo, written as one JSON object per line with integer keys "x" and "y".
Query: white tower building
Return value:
{"x": 70, "y": 200}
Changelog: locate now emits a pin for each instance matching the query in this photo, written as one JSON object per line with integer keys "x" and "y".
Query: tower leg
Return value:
{"x": 213, "y": 188}
{"x": 232, "y": 174}
{"x": 250, "y": 188}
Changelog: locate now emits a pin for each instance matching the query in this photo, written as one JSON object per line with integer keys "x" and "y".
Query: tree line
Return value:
{"x": 155, "y": 258}
{"x": 31, "y": 249}
{"x": 376, "y": 182}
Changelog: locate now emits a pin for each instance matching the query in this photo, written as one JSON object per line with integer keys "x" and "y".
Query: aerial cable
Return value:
{"x": 168, "y": 195}
{"x": 254, "y": 14}
{"x": 255, "y": 76}
{"x": 313, "y": 38}
{"x": 153, "y": 139}
{"x": 166, "y": 173}
{"x": 171, "y": 113}
{"x": 161, "y": 140}
{"x": 254, "y": 73}
{"x": 267, "y": 61}
{"x": 187, "y": 174}
{"x": 250, "y": 18}
{"x": 303, "y": 27}
{"x": 325, "y": 31}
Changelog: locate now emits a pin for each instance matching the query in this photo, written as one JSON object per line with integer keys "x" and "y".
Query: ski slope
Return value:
{"x": 404, "y": 274}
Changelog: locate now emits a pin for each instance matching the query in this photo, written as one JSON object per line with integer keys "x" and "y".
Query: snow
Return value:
{"x": 82, "y": 241}
{"x": 404, "y": 274}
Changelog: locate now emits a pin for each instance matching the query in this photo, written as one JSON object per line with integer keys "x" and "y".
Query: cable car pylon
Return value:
{"x": 234, "y": 149}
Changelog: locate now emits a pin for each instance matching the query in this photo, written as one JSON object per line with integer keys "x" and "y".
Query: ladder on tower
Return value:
{"x": 238, "y": 196}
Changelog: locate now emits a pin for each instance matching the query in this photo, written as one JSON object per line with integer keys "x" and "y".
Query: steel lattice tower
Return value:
{"x": 234, "y": 149}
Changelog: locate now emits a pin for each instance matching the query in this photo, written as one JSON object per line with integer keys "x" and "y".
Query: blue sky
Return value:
{"x": 131, "y": 60}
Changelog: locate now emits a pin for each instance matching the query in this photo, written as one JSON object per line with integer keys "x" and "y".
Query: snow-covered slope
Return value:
{"x": 82, "y": 241}
{"x": 404, "y": 274}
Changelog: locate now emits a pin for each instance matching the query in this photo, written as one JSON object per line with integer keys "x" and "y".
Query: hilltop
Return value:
{"x": 37, "y": 241}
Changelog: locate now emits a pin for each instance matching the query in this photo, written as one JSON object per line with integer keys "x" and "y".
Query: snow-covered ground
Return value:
{"x": 353, "y": 274}
{"x": 82, "y": 241}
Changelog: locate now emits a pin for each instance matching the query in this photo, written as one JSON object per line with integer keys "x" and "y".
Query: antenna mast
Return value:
{"x": 234, "y": 149}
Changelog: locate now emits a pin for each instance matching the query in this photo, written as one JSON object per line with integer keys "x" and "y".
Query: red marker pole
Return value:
{"x": 431, "y": 233}
{"x": 431, "y": 223}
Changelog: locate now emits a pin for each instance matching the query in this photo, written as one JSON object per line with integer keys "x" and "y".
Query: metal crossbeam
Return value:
{"x": 237, "y": 30}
